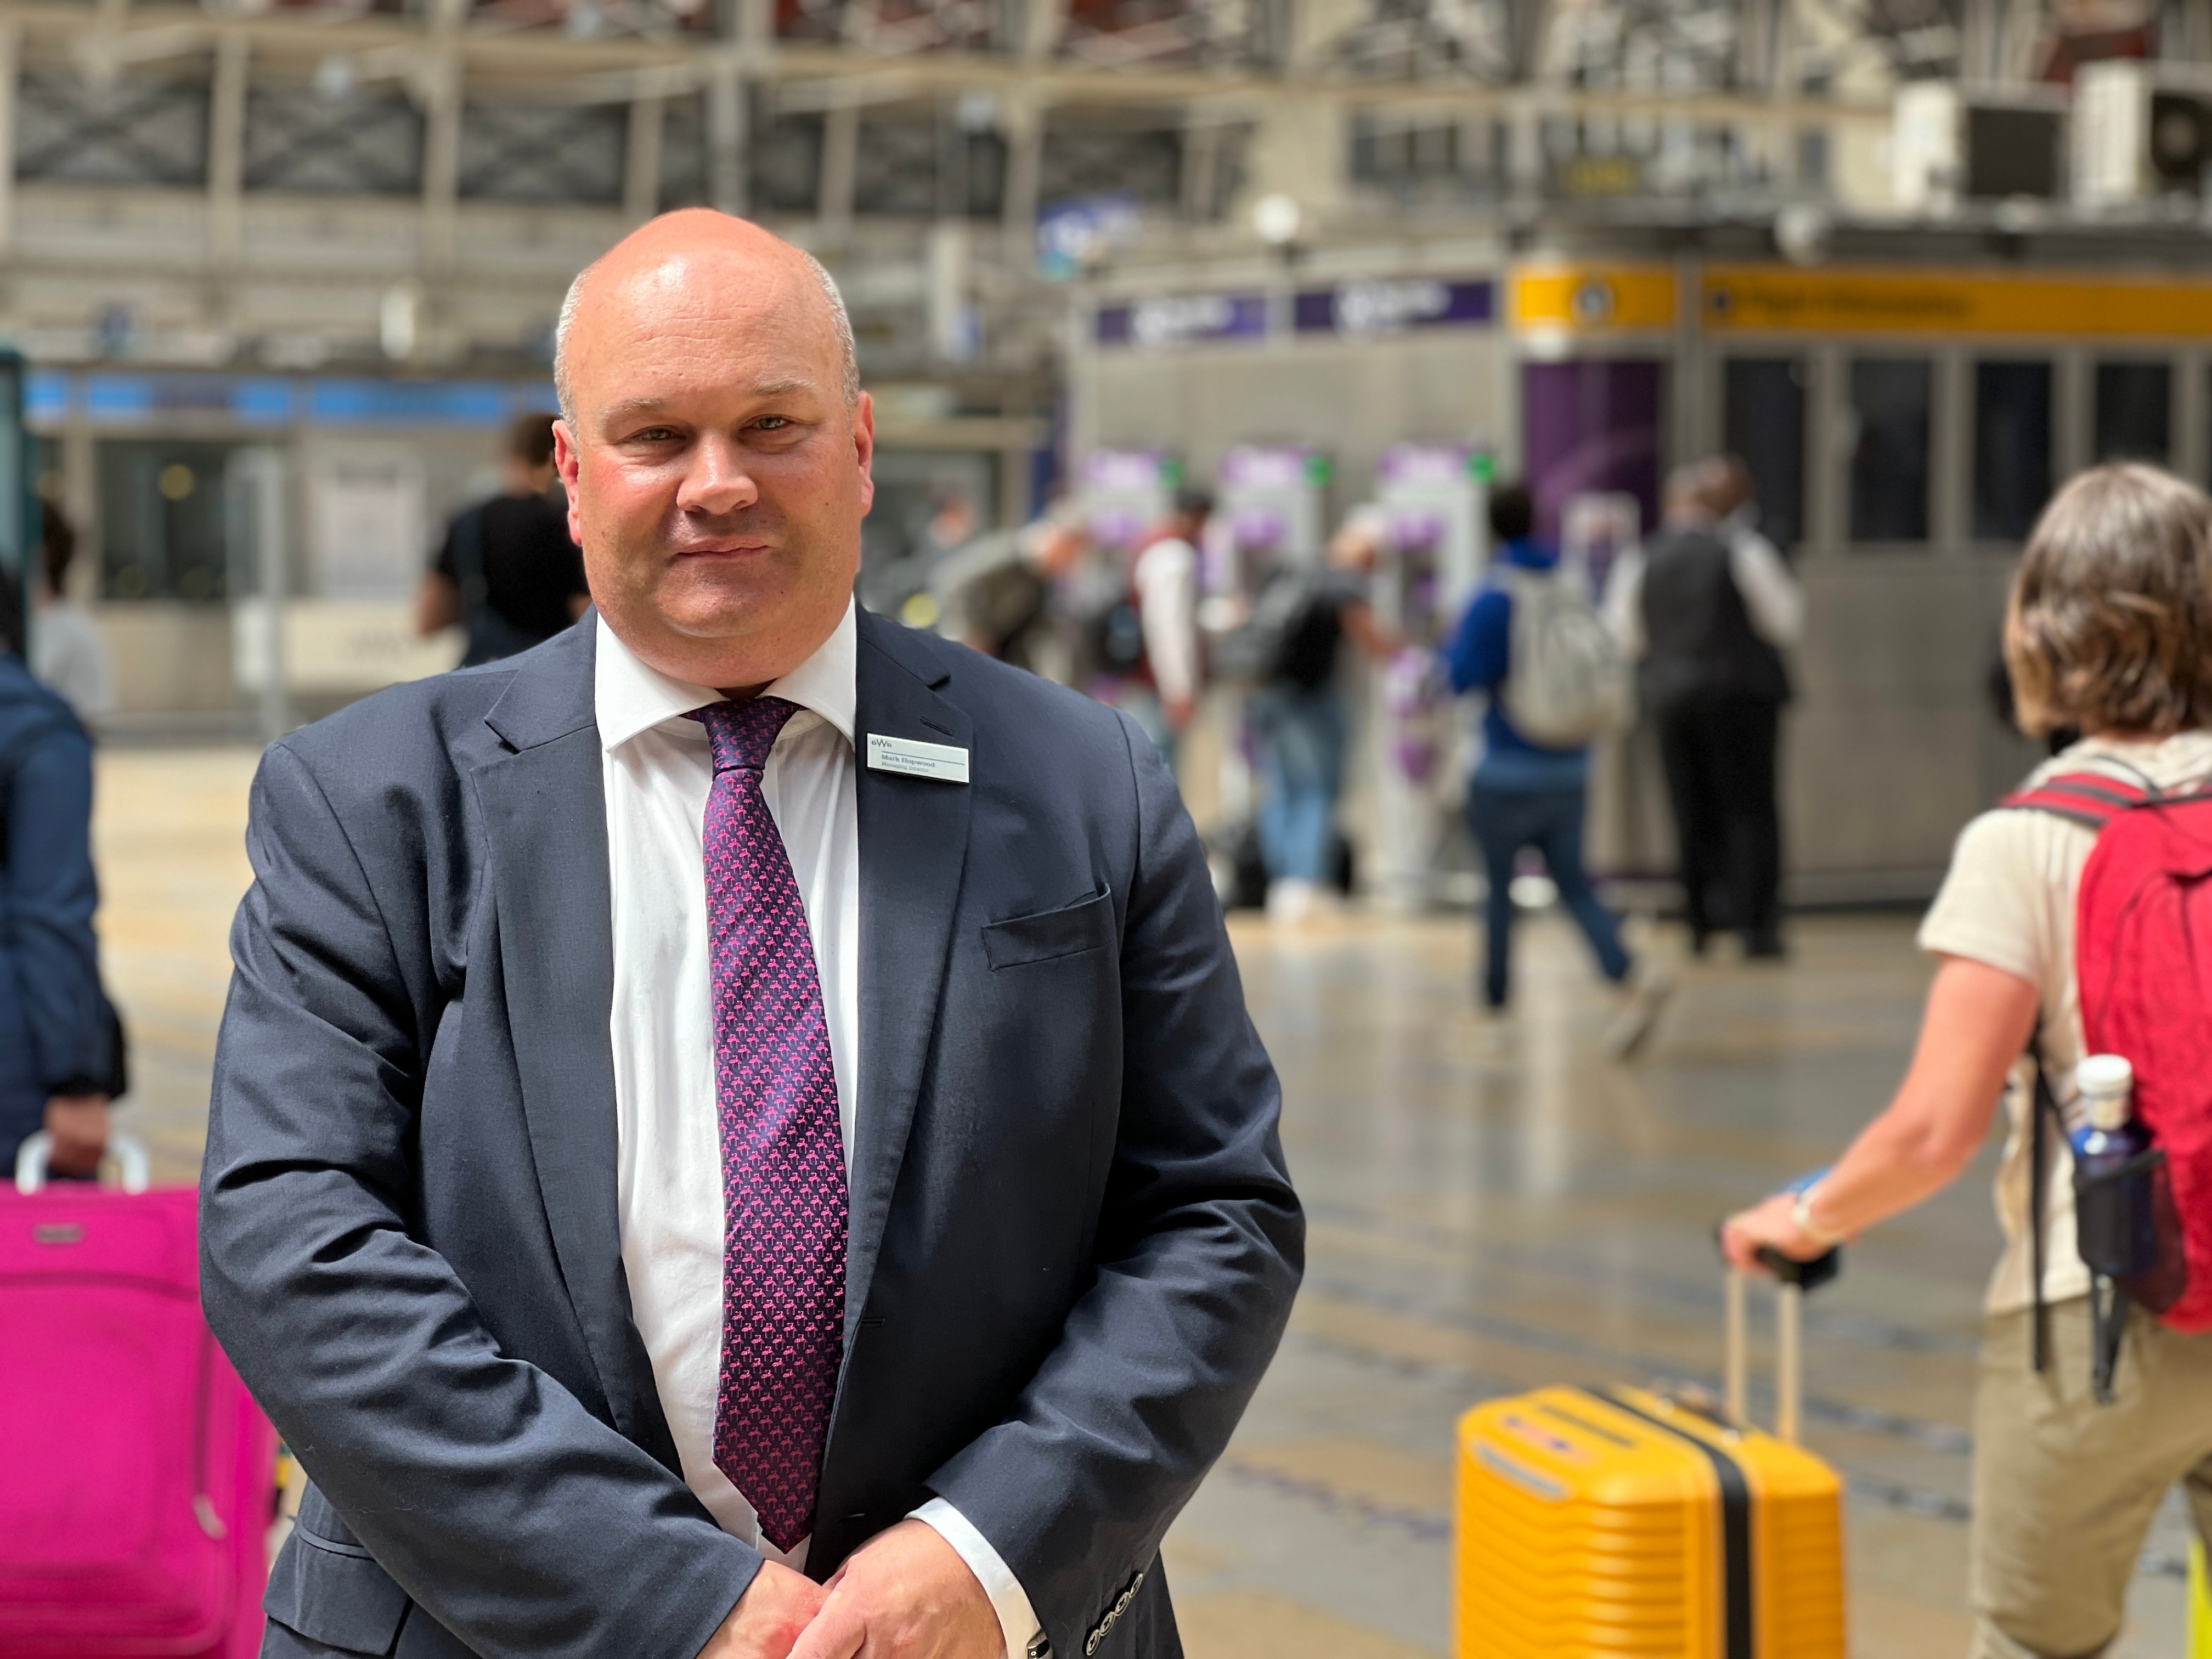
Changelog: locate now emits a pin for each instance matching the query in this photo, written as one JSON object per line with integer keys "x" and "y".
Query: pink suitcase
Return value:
{"x": 137, "y": 1478}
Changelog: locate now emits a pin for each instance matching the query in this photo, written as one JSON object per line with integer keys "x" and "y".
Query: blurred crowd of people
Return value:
{"x": 1688, "y": 630}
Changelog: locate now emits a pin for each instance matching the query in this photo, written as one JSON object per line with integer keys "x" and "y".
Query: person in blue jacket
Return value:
{"x": 54, "y": 1028}
{"x": 1523, "y": 794}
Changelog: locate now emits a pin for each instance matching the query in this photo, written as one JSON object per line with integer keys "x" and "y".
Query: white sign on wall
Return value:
{"x": 366, "y": 522}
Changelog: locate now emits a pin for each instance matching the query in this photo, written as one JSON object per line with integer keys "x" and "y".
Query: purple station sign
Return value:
{"x": 1183, "y": 319}
{"x": 1349, "y": 310}
{"x": 1387, "y": 306}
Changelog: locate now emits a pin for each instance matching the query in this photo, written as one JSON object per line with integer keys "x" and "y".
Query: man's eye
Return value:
{"x": 654, "y": 434}
{"x": 772, "y": 422}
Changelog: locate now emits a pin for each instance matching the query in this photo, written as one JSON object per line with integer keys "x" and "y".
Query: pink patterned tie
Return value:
{"x": 783, "y": 1157}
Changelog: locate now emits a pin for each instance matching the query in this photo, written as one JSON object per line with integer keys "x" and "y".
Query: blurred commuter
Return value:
{"x": 507, "y": 572}
{"x": 1524, "y": 794}
{"x": 55, "y": 1047}
{"x": 953, "y": 524}
{"x": 1165, "y": 581}
{"x": 1000, "y": 593}
{"x": 1708, "y": 606}
{"x": 2109, "y": 628}
{"x": 67, "y": 654}
{"x": 1297, "y": 713}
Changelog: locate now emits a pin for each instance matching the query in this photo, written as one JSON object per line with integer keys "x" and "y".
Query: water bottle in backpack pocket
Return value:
{"x": 2125, "y": 1225}
{"x": 2116, "y": 1166}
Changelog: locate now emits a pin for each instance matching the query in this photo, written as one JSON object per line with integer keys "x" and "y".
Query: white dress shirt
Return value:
{"x": 658, "y": 773}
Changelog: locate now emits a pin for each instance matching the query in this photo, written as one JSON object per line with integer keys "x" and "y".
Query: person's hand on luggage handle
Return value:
{"x": 906, "y": 1594}
{"x": 1978, "y": 1022}
{"x": 1772, "y": 1222}
{"x": 769, "y": 1617}
{"x": 78, "y": 1124}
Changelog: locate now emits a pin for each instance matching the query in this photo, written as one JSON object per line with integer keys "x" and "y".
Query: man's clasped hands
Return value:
{"x": 904, "y": 1595}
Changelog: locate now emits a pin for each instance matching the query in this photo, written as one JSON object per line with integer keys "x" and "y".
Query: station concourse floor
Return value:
{"x": 1492, "y": 1205}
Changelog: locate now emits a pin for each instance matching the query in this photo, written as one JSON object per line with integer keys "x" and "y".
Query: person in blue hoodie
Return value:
{"x": 55, "y": 1035}
{"x": 1523, "y": 795}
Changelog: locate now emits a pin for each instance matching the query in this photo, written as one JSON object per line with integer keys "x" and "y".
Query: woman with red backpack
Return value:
{"x": 2068, "y": 925}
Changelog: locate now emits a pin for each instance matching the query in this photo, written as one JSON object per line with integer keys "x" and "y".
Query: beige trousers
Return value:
{"x": 2065, "y": 1489}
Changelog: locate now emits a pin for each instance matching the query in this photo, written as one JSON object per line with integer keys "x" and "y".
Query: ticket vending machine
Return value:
{"x": 1126, "y": 492}
{"x": 1435, "y": 498}
{"x": 1432, "y": 500}
{"x": 1270, "y": 511}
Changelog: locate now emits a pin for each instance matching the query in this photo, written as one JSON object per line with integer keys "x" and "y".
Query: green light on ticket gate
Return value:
{"x": 1482, "y": 466}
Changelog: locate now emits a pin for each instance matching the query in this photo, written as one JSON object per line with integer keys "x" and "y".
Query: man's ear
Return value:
{"x": 569, "y": 463}
{"x": 863, "y": 447}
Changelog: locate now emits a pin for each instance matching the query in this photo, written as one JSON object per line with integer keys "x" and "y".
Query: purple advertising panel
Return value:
{"x": 1183, "y": 319}
{"x": 1591, "y": 424}
{"x": 1362, "y": 309}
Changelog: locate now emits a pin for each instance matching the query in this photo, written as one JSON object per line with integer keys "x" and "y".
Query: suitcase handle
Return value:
{"x": 1792, "y": 1279}
{"x": 133, "y": 1173}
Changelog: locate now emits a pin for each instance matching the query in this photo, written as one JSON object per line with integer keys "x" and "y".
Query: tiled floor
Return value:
{"x": 1492, "y": 1205}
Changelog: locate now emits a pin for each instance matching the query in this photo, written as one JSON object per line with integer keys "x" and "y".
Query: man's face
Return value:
{"x": 716, "y": 476}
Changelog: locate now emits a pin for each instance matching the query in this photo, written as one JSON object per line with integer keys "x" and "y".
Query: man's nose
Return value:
{"x": 719, "y": 480}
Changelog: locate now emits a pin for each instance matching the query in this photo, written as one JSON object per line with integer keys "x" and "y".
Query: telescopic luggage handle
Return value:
{"x": 1792, "y": 1279}
{"x": 133, "y": 1173}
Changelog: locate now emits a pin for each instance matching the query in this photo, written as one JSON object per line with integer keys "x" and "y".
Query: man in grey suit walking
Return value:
{"x": 736, "y": 1131}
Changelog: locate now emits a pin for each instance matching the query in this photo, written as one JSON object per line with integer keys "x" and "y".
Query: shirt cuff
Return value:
{"x": 1017, "y": 1619}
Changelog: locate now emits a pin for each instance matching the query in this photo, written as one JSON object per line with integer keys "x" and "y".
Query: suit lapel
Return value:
{"x": 546, "y": 818}
{"x": 914, "y": 844}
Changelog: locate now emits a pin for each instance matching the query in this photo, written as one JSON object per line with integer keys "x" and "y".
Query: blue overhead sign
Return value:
{"x": 408, "y": 403}
{"x": 124, "y": 397}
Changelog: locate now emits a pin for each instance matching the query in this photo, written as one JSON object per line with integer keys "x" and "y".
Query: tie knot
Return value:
{"x": 742, "y": 734}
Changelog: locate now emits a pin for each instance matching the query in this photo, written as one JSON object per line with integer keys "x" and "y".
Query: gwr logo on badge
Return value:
{"x": 940, "y": 761}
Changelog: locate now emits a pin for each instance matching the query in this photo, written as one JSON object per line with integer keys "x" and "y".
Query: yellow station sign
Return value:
{"x": 1777, "y": 298}
{"x": 1593, "y": 299}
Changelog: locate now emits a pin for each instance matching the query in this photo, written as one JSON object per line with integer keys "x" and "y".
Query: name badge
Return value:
{"x": 940, "y": 761}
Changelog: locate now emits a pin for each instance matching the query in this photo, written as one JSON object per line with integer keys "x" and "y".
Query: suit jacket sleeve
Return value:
{"x": 498, "y": 1502}
{"x": 1200, "y": 1247}
{"x": 45, "y": 915}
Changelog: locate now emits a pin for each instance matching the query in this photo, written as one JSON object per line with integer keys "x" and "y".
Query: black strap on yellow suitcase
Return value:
{"x": 1740, "y": 1634}
{"x": 1737, "y": 1632}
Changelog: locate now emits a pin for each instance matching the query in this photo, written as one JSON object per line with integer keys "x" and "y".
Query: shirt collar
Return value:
{"x": 629, "y": 697}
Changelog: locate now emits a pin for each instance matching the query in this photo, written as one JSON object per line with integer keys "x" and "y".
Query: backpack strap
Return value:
{"x": 2091, "y": 799}
{"x": 2043, "y": 1108}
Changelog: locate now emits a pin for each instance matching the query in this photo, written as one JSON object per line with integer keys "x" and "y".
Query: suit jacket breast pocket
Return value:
{"x": 1086, "y": 925}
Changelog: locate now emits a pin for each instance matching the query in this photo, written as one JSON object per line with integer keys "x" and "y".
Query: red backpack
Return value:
{"x": 2143, "y": 960}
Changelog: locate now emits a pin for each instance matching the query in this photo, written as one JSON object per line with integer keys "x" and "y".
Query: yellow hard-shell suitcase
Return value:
{"x": 1608, "y": 1523}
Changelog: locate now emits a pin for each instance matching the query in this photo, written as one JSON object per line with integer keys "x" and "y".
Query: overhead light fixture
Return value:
{"x": 1278, "y": 219}
{"x": 399, "y": 319}
{"x": 1802, "y": 231}
{"x": 336, "y": 76}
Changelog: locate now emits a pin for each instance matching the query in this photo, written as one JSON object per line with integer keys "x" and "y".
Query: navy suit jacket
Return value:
{"x": 1073, "y": 1243}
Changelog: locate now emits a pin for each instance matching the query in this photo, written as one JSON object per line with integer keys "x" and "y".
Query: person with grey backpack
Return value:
{"x": 1553, "y": 681}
